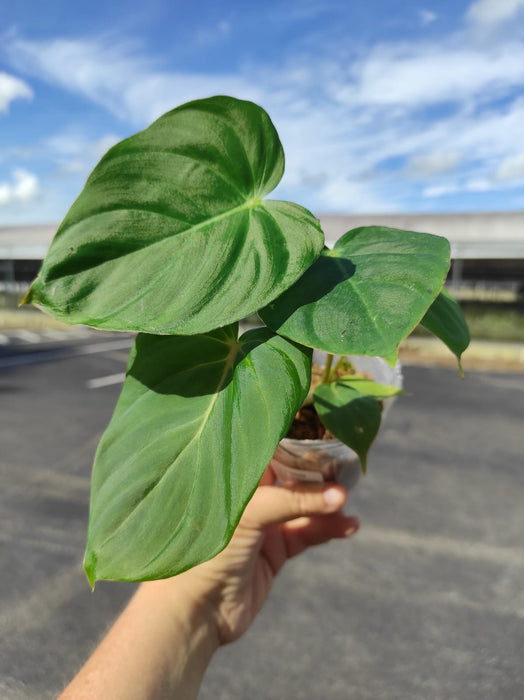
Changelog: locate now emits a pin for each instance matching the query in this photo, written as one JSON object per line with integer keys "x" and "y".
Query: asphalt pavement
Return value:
{"x": 425, "y": 603}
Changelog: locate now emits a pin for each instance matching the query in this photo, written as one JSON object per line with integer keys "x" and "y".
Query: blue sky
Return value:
{"x": 383, "y": 106}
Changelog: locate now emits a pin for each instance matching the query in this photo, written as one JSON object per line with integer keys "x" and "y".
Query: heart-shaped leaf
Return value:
{"x": 365, "y": 295}
{"x": 196, "y": 424}
{"x": 445, "y": 320}
{"x": 350, "y": 409}
{"x": 171, "y": 234}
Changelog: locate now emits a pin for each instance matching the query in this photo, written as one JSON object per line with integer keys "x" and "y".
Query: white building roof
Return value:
{"x": 26, "y": 242}
{"x": 475, "y": 235}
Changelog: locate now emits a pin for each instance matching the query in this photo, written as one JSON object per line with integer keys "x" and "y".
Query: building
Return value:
{"x": 486, "y": 248}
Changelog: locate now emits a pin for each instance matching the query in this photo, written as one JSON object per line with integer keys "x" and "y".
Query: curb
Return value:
{"x": 29, "y": 319}
{"x": 480, "y": 355}
{"x": 414, "y": 351}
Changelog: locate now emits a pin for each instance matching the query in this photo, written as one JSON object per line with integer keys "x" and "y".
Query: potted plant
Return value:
{"x": 173, "y": 237}
{"x": 311, "y": 452}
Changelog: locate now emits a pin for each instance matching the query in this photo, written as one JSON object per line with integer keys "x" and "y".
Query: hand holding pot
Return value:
{"x": 278, "y": 524}
{"x": 163, "y": 641}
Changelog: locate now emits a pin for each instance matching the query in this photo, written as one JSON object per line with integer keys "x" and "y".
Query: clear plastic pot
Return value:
{"x": 315, "y": 461}
{"x": 331, "y": 460}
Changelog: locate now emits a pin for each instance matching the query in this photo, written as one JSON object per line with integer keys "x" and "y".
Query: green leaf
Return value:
{"x": 196, "y": 424}
{"x": 446, "y": 321}
{"x": 171, "y": 234}
{"x": 368, "y": 387}
{"x": 350, "y": 409}
{"x": 364, "y": 296}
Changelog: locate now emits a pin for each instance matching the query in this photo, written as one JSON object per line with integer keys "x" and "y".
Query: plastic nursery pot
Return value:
{"x": 331, "y": 460}
{"x": 315, "y": 461}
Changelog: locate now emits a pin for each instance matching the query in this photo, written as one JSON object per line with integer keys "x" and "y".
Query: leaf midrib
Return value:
{"x": 249, "y": 205}
{"x": 228, "y": 363}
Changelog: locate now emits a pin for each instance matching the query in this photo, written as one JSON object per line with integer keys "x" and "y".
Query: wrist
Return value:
{"x": 188, "y": 630}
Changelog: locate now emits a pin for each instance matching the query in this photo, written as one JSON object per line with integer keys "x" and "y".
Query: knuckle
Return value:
{"x": 307, "y": 502}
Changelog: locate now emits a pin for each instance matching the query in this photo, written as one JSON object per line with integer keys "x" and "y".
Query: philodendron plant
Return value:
{"x": 173, "y": 237}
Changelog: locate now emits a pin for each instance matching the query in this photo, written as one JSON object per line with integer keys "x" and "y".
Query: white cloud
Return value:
{"x": 479, "y": 185}
{"x": 117, "y": 76}
{"x": 431, "y": 164}
{"x": 474, "y": 185}
{"x": 12, "y": 88}
{"x": 23, "y": 188}
{"x": 342, "y": 120}
{"x": 427, "y": 17}
{"x": 342, "y": 195}
{"x": 416, "y": 75}
{"x": 439, "y": 190}
{"x": 74, "y": 153}
{"x": 487, "y": 146}
{"x": 490, "y": 12}
{"x": 511, "y": 168}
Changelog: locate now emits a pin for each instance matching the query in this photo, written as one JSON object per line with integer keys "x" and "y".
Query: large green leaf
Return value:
{"x": 445, "y": 319}
{"x": 197, "y": 422}
{"x": 364, "y": 296}
{"x": 171, "y": 234}
{"x": 350, "y": 409}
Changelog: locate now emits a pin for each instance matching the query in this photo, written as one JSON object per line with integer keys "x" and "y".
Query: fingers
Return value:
{"x": 275, "y": 504}
{"x": 268, "y": 477}
{"x": 301, "y": 533}
{"x": 306, "y": 532}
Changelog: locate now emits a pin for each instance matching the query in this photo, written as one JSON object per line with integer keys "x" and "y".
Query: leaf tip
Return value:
{"x": 28, "y": 297}
{"x": 392, "y": 359}
{"x": 90, "y": 560}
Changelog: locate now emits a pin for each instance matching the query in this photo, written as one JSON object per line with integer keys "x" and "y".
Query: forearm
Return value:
{"x": 158, "y": 648}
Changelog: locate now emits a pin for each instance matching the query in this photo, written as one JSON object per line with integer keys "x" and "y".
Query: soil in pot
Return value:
{"x": 307, "y": 424}
{"x": 309, "y": 452}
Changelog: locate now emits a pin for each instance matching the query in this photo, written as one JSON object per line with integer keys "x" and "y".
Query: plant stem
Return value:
{"x": 327, "y": 368}
{"x": 339, "y": 364}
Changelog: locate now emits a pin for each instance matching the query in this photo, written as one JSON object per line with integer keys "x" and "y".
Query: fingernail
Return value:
{"x": 333, "y": 498}
{"x": 351, "y": 529}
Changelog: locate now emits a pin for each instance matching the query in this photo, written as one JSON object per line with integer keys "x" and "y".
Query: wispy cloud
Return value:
{"x": 75, "y": 154}
{"x": 23, "y": 188}
{"x": 115, "y": 75}
{"x": 511, "y": 168}
{"x": 12, "y": 88}
{"x": 491, "y": 12}
{"x": 419, "y": 74}
{"x": 378, "y": 128}
{"x": 427, "y": 17}
{"x": 209, "y": 36}
{"x": 429, "y": 165}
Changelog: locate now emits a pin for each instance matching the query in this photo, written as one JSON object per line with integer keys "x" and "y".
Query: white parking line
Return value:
{"x": 109, "y": 380}
{"x": 65, "y": 353}
{"x": 54, "y": 334}
{"x": 27, "y": 336}
{"x": 103, "y": 347}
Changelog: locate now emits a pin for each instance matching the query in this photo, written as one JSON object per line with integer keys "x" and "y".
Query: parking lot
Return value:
{"x": 425, "y": 603}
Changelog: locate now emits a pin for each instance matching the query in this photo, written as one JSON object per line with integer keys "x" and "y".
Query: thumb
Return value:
{"x": 277, "y": 504}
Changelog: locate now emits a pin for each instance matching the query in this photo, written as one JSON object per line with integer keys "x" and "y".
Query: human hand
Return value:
{"x": 278, "y": 523}
{"x": 161, "y": 644}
